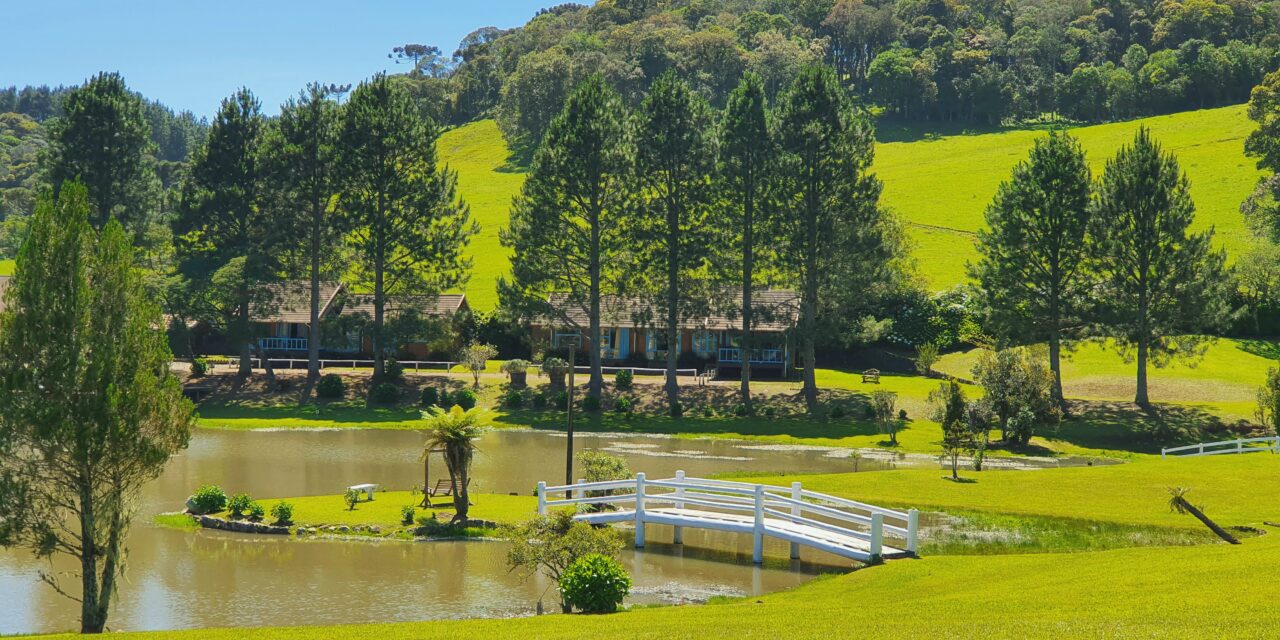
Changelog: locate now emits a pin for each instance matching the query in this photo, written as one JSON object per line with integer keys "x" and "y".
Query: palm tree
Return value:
{"x": 1178, "y": 503}
{"x": 455, "y": 432}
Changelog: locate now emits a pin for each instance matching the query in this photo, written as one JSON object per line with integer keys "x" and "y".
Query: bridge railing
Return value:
{"x": 1241, "y": 445}
{"x": 793, "y": 504}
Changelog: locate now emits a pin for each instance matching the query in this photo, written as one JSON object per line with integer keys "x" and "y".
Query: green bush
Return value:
{"x": 283, "y": 513}
{"x": 622, "y": 405}
{"x": 430, "y": 397}
{"x": 199, "y": 367}
{"x": 513, "y": 399}
{"x": 239, "y": 504}
{"x": 351, "y": 497}
{"x": 902, "y": 414}
{"x": 465, "y": 398}
{"x": 741, "y": 410}
{"x": 539, "y": 401}
{"x": 769, "y": 412}
{"x": 868, "y": 412}
{"x": 561, "y": 400}
{"x": 256, "y": 512}
{"x": 393, "y": 370}
{"x": 591, "y": 403}
{"x": 623, "y": 379}
{"x": 209, "y": 499}
{"x": 708, "y": 412}
{"x": 837, "y": 412}
{"x": 386, "y": 393}
{"x": 446, "y": 399}
{"x": 407, "y": 513}
{"x": 331, "y": 387}
{"x": 595, "y": 583}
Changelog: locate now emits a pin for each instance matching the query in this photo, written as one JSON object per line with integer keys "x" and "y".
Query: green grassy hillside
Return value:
{"x": 940, "y": 186}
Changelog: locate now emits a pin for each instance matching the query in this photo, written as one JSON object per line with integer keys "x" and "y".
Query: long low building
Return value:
{"x": 630, "y": 332}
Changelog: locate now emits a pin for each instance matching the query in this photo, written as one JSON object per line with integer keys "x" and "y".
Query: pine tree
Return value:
{"x": 228, "y": 234}
{"x": 675, "y": 163}
{"x": 747, "y": 157}
{"x": 564, "y": 224}
{"x": 304, "y": 175}
{"x": 834, "y": 241}
{"x": 1157, "y": 279}
{"x": 407, "y": 226}
{"x": 1032, "y": 273}
{"x": 103, "y": 140}
{"x": 91, "y": 411}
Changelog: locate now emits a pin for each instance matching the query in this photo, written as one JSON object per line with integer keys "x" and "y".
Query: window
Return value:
{"x": 564, "y": 339}
{"x": 705, "y": 342}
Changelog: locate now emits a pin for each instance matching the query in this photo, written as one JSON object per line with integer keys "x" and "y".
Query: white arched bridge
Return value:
{"x": 804, "y": 518}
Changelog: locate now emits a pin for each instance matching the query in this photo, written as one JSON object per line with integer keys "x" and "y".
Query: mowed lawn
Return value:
{"x": 939, "y": 185}
{"x": 1203, "y": 591}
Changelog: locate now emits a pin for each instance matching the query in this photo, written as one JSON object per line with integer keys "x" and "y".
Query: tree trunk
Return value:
{"x": 596, "y": 386}
{"x": 246, "y": 339}
{"x": 313, "y": 331}
{"x": 1141, "y": 396}
{"x": 1055, "y": 365}
{"x": 379, "y": 316}
{"x": 90, "y": 620}
{"x": 672, "y": 386}
{"x": 748, "y": 271}
{"x": 1213, "y": 526}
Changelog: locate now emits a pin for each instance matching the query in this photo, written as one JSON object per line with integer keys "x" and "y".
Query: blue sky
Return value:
{"x": 190, "y": 54}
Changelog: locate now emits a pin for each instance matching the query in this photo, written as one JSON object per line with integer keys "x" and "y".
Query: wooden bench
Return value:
{"x": 443, "y": 489}
{"x": 366, "y": 489}
{"x": 196, "y": 393}
{"x": 871, "y": 375}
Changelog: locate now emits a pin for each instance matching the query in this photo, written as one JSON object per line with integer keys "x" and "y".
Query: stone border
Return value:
{"x": 241, "y": 526}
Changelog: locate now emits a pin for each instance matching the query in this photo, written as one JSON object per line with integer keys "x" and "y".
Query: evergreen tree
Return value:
{"x": 675, "y": 163}
{"x": 1157, "y": 279}
{"x": 407, "y": 226}
{"x": 89, "y": 407}
{"x": 228, "y": 233}
{"x": 834, "y": 240}
{"x": 304, "y": 174}
{"x": 747, "y": 157}
{"x": 1032, "y": 272}
{"x": 564, "y": 224}
{"x": 103, "y": 140}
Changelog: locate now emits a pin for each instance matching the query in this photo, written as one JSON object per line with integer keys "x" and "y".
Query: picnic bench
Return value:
{"x": 196, "y": 393}
{"x": 443, "y": 489}
{"x": 366, "y": 489}
{"x": 871, "y": 375}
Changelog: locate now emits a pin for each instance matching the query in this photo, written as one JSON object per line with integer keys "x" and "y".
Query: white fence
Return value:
{"x": 1243, "y": 445}
{"x": 844, "y": 527}
{"x": 330, "y": 363}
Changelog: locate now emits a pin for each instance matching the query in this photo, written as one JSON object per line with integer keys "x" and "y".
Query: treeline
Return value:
{"x": 985, "y": 61}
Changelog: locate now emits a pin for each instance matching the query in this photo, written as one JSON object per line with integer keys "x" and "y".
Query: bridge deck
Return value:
{"x": 811, "y": 536}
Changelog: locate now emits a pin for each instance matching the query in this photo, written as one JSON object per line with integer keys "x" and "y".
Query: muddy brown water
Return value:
{"x": 215, "y": 579}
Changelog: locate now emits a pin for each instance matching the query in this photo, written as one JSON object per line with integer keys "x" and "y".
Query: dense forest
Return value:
{"x": 982, "y": 61}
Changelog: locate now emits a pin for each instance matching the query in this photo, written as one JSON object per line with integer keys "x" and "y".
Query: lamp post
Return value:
{"x": 568, "y": 456}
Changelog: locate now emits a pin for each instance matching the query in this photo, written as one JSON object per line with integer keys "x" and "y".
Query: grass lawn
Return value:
{"x": 1210, "y": 590}
{"x": 7, "y": 267}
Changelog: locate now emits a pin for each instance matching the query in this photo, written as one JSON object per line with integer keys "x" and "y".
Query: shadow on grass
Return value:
{"x": 355, "y": 413}
{"x": 793, "y": 426}
{"x": 1269, "y": 349}
{"x": 1123, "y": 426}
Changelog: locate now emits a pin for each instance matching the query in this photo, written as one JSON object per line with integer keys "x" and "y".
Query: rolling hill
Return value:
{"x": 939, "y": 185}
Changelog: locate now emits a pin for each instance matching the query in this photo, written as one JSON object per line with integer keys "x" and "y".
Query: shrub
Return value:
{"x": 283, "y": 513}
{"x": 837, "y": 412}
{"x": 555, "y": 368}
{"x": 239, "y": 505}
{"x": 407, "y": 513}
{"x": 199, "y": 367}
{"x": 591, "y": 403}
{"x": 622, "y": 405}
{"x": 446, "y": 399}
{"x": 539, "y": 401}
{"x": 549, "y": 544}
{"x": 393, "y": 370}
{"x": 741, "y": 410}
{"x": 561, "y": 400}
{"x": 476, "y": 357}
{"x": 386, "y": 393}
{"x": 209, "y": 499}
{"x": 869, "y": 412}
{"x": 515, "y": 366}
{"x": 256, "y": 512}
{"x": 769, "y": 412}
{"x": 708, "y": 412}
{"x": 331, "y": 387}
{"x": 595, "y": 583}
{"x": 623, "y": 379}
{"x": 350, "y": 498}
{"x": 513, "y": 399}
{"x": 430, "y": 397}
{"x": 465, "y": 398}
{"x": 926, "y": 357}
{"x": 902, "y": 414}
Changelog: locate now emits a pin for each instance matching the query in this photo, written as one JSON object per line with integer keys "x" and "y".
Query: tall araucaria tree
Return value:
{"x": 407, "y": 227}
{"x": 834, "y": 241}
{"x": 564, "y": 224}
{"x": 304, "y": 165}
{"x": 674, "y": 165}
{"x": 89, "y": 410}
{"x": 1158, "y": 280}
{"x": 747, "y": 157}
{"x": 1032, "y": 273}
{"x": 228, "y": 234}
{"x": 103, "y": 140}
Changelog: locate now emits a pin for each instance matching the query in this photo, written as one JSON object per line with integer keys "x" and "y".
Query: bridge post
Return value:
{"x": 757, "y": 547}
{"x": 677, "y": 537}
{"x": 582, "y": 493}
{"x": 877, "y": 536}
{"x": 796, "y": 494}
{"x": 913, "y": 526}
{"x": 542, "y": 498}
{"x": 640, "y": 510}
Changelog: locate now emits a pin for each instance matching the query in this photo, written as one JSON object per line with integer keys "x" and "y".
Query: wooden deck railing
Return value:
{"x": 1242, "y": 445}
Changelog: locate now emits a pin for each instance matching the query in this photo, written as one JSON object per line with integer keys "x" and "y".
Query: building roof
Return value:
{"x": 445, "y": 304}
{"x": 777, "y": 310}
{"x": 290, "y": 301}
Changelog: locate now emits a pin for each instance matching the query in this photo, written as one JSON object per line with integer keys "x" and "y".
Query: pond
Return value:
{"x": 216, "y": 579}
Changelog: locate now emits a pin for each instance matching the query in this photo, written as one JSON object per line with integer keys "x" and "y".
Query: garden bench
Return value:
{"x": 195, "y": 393}
{"x": 871, "y": 375}
{"x": 367, "y": 489}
